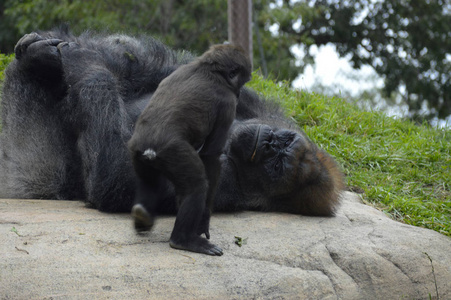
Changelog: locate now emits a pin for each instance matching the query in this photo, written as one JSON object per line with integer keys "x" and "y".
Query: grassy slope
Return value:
{"x": 402, "y": 168}
{"x": 4, "y": 61}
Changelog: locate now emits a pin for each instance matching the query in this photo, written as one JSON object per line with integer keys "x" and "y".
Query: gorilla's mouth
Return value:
{"x": 257, "y": 138}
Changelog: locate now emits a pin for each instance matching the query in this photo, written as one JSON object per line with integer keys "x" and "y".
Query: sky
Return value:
{"x": 337, "y": 73}
{"x": 331, "y": 70}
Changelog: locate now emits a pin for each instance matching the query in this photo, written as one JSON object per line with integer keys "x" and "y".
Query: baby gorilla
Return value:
{"x": 180, "y": 136}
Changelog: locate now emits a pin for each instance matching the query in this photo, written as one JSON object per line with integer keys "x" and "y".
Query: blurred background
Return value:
{"x": 392, "y": 55}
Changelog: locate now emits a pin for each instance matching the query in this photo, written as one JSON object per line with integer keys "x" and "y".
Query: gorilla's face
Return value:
{"x": 272, "y": 164}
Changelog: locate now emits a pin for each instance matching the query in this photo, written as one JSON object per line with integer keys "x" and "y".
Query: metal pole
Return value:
{"x": 240, "y": 24}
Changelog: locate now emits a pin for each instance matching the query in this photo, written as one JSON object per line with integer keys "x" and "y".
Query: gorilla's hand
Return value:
{"x": 39, "y": 56}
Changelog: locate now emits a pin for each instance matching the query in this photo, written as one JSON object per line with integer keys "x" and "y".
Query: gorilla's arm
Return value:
{"x": 97, "y": 116}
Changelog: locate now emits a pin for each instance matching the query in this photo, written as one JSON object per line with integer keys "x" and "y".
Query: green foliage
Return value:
{"x": 276, "y": 45}
{"x": 239, "y": 241}
{"x": 4, "y": 61}
{"x": 407, "y": 42}
{"x": 15, "y": 231}
{"x": 402, "y": 168}
{"x": 180, "y": 24}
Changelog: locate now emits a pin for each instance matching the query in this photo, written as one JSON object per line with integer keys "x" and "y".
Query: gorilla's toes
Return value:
{"x": 24, "y": 42}
{"x": 36, "y": 46}
{"x": 196, "y": 244}
{"x": 64, "y": 46}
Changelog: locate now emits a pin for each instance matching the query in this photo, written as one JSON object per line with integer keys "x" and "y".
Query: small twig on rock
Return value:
{"x": 433, "y": 273}
{"x": 23, "y": 250}
{"x": 15, "y": 231}
{"x": 188, "y": 257}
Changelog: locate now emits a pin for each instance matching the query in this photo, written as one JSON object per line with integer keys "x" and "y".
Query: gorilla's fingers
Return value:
{"x": 61, "y": 45}
{"x": 53, "y": 42}
{"x": 24, "y": 42}
{"x": 65, "y": 46}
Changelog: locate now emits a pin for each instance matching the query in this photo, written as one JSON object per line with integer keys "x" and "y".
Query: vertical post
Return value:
{"x": 240, "y": 24}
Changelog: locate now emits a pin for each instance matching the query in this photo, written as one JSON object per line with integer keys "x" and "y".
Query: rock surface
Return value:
{"x": 62, "y": 250}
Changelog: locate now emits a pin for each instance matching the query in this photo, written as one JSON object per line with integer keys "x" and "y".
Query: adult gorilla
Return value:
{"x": 67, "y": 119}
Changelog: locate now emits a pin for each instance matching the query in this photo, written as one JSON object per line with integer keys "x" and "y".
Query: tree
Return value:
{"x": 193, "y": 25}
{"x": 408, "y": 43}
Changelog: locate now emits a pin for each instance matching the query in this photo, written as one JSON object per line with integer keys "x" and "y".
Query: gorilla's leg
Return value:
{"x": 100, "y": 121}
{"x": 143, "y": 220}
{"x": 150, "y": 190}
{"x": 108, "y": 174}
{"x": 37, "y": 156}
{"x": 193, "y": 217}
{"x": 210, "y": 154}
{"x": 180, "y": 163}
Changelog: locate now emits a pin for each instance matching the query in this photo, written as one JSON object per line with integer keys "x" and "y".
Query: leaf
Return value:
{"x": 15, "y": 231}
{"x": 240, "y": 241}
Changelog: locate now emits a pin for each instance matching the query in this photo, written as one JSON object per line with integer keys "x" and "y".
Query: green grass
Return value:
{"x": 4, "y": 61}
{"x": 402, "y": 168}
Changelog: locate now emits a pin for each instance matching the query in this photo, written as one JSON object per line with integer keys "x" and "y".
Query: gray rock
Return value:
{"x": 62, "y": 250}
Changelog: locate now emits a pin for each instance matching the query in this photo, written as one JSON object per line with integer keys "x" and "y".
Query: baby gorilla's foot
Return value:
{"x": 196, "y": 244}
{"x": 143, "y": 221}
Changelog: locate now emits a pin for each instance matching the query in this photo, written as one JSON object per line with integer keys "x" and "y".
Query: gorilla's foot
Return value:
{"x": 196, "y": 244}
{"x": 143, "y": 221}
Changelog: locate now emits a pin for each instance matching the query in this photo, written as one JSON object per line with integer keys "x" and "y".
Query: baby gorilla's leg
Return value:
{"x": 142, "y": 212}
{"x": 143, "y": 221}
{"x": 149, "y": 194}
{"x": 186, "y": 170}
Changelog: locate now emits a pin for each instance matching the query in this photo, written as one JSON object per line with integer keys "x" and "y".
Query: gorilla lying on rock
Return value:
{"x": 66, "y": 120}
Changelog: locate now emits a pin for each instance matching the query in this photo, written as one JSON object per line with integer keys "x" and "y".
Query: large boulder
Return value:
{"x": 63, "y": 250}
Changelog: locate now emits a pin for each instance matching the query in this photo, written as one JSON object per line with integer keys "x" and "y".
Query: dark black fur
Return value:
{"x": 180, "y": 135}
{"x": 66, "y": 121}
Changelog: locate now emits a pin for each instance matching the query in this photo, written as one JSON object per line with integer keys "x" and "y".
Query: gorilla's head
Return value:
{"x": 280, "y": 169}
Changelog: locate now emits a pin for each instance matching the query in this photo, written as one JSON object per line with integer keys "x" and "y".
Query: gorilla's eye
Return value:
{"x": 288, "y": 142}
